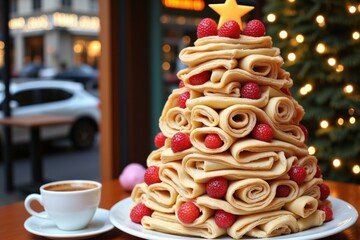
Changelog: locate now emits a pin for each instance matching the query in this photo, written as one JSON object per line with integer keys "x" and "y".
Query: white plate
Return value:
{"x": 344, "y": 215}
{"x": 47, "y": 228}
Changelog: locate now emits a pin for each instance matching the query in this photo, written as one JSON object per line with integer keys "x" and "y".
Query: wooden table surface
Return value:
{"x": 13, "y": 216}
{"x": 36, "y": 121}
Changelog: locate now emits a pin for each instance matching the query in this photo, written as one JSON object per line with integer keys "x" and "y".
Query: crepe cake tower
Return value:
{"x": 232, "y": 156}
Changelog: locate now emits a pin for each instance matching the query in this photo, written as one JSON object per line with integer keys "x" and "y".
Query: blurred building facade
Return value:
{"x": 56, "y": 33}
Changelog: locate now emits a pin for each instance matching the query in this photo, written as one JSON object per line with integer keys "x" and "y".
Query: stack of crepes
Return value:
{"x": 253, "y": 168}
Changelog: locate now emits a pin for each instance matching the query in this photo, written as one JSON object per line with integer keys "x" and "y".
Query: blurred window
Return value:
{"x": 36, "y": 4}
{"x": 94, "y": 5}
{"x": 26, "y": 98}
{"x": 13, "y": 6}
{"x": 66, "y": 3}
{"x": 53, "y": 95}
{"x": 40, "y": 96}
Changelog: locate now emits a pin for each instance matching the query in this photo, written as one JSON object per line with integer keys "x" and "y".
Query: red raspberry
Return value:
{"x": 324, "y": 191}
{"x": 328, "y": 212}
{"x": 297, "y": 174}
{"x": 262, "y": 132}
{"x": 188, "y": 212}
{"x": 254, "y": 28}
{"x": 286, "y": 91}
{"x": 159, "y": 140}
{"x": 151, "y": 175}
{"x": 224, "y": 219}
{"x": 182, "y": 99}
{"x": 200, "y": 78}
{"x": 318, "y": 172}
{"x": 207, "y": 27}
{"x": 250, "y": 90}
{"x": 180, "y": 142}
{"x": 138, "y": 212}
{"x": 217, "y": 187}
{"x": 181, "y": 84}
{"x": 230, "y": 29}
{"x": 282, "y": 191}
{"x": 306, "y": 133}
{"x": 213, "y": 141}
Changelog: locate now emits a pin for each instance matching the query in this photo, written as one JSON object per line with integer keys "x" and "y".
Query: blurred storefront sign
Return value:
{"x": 194, "y": 5}
{"x": 70, "y": 21}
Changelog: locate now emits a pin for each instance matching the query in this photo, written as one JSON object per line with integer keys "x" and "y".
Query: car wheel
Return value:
{"x": 83, "y": 134}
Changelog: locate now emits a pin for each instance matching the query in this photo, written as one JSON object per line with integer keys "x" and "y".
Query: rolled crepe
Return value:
{"x": 232, "y": 89}
{"x": 246, "y": 208}
{"x": 268, "y": 224}
{"x": 158, "y": 196}
{"x": 280, "y": 226}
{"x": 311, "y": 188}
{"x": 154, "y": 157}
{"x": 167, "y": 223}
{"x": 222, "y": 102}
{"x": 314, "y": 220}
{"x": 206, "y": 212}
{"x": 223, "y": 165}
{"x": 186, "y": 73}
{"x": 250, "y": 115}
{"x": 303, "y": 206}
{"x": 245, "y": 145}
{"x": 198, "y": 135}
{"x": 211, "y": 48}
{"x": 137, "y": 192}
{"x": 205, "y": 115}
{"x": 173, "y": 118}
{"x": 161, "y": 197}
{"x": 169, "y": 156}
{"x": 173, "y": 174}
{"x": 262, "y": 65}
{"x": 310, "y": 164}
{"x": 238, "y": 120}
{"x": 251, "y": 193}
{"x": 254, "y": 195}
{"x": 284, "y": 110}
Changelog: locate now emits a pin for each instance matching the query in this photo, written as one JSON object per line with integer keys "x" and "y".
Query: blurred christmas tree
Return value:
{"x": 320, "y": 43}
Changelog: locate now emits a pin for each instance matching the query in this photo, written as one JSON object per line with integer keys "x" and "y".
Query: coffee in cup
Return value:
{"x": 70, "y": 204}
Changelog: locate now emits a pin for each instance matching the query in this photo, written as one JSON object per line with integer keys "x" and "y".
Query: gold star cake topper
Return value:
{"x": 230, "y": 10}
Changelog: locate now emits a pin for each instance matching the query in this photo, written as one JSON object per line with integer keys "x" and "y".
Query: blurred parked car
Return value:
{"x": 30, "y": 70}
{"x": 84, "y": 74}
{"x": 53, "y": 97}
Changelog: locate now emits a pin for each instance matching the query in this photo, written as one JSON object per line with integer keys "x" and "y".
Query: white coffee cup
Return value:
{"x": 70, "y": 204}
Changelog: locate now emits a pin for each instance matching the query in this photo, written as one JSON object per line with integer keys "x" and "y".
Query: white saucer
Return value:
{"x": 46, "y": 228}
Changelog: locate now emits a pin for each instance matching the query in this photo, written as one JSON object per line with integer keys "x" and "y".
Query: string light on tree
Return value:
{"x": 336, "y": 163}
{"x": 352, "y": 120}
{"x": 320, "y": 48}
{"x": 320, "y": 20}
{"x": 324, "y": 124}
{"x": 291, "y": 57}
{"x": 306, "y": 89}
{"x": 348, "y": 89}
{"x": 332, "y": 61}
{"x": 352, "y": 9}
{"x": 356, "y": 169}
{"x": 283, "y": 34}
{"x": 351, "y": 111}
{"x": 300, "y": 38}
{"x": 312, "y": 150}
{"x": 356, "y": 35}
{"x": 340, "y": 121}
{"x": 271, "y": 17}
{"x": 339, "y": 68}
